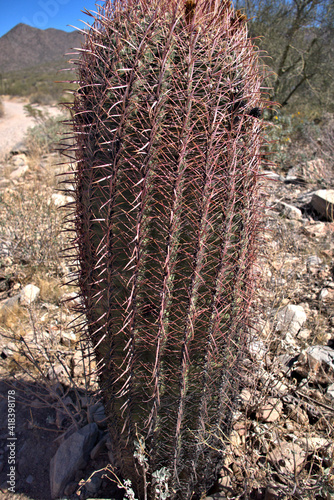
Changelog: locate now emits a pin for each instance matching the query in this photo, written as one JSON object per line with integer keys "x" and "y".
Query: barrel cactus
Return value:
{"x": 168, "y": 152}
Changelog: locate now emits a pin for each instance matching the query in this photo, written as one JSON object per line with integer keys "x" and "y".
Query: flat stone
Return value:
{"x": 323, "y": 202}
{"x": 71, "y": 456}
{"x": 289, "y": 211}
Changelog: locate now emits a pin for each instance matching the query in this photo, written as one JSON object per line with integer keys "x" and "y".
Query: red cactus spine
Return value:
{"x": 167, "y": 219}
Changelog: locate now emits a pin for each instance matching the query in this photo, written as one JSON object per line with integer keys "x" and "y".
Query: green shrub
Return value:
{"x": 46, "y": 135}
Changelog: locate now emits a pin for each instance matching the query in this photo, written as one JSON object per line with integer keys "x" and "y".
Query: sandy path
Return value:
{"x": 14, "y": 124}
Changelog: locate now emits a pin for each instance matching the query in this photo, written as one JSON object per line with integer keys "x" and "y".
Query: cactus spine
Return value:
{"x": 167, "y": 220}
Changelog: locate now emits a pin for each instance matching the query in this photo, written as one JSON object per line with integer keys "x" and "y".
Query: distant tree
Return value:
{"x": 297, "y": 35}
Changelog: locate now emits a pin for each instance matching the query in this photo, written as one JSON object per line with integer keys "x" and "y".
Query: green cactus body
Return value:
{"x": 167, "y": 220}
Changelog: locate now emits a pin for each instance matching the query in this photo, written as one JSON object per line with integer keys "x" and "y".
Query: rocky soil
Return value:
{"x": 281, "y": 444}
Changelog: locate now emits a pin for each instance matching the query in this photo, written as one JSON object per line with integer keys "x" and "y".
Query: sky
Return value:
{"x": 44, "y": 14}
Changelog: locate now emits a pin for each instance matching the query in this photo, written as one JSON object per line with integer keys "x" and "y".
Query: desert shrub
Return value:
{"x": 293, "y": 139}
{"x": 47, "y": 133}
{"x": 42, "y": 98}
{"x": 39, "y": 82}
{"x": 30, "y": 234}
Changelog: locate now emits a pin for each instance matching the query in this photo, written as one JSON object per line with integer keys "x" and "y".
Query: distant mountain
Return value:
{"x": 24, "y": 46}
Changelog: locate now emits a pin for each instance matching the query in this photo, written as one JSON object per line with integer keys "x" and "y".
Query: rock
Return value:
{"x": 312, "y": 263}
{"x": 330, "y": 391}
{"x": 297, "y": 414}
{"x": 314, "y": 443}
{"x": 99, "y": 447}
{"x": 289, "y": 211}
{"x": 304, "y": 334}
{"x": 77, "y": 365}
{"x": 8, "y": 306}
{"x": 257, "y": 348}
{"x": 8, "y": 350}
{"x": 19, "y": 160}
{"x": 326, "y": 296}
{"x": 246, "y": 397}
{"x": 56, "y": 371}
{"x": 18, "y": 172}
{"x": 270, "y": 411}
{"x": 29, "y": 294}
{"x": 272, "y": 492}
{"x": 71, "y": 455}
{"x": 317, "y": 364}
{"x": 225, "y": 482}
{"x": 93, "y": 484}
{"x": 323, "y": 202}
{"x": 60, "y": 200}
{"x": 70, "y": 488}
{"x": 318, "y": 229}
{"x": 71, "y": 299}
{"x": 99, "y": 416}
{"x": 288, "y": 458}
{"x": 290, "y": 319}
{"x": 315, "y": 169}
{"x": 68, "y": 339}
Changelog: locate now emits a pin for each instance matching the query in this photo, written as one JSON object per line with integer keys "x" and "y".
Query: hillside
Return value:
{"x": 25, "y": 47}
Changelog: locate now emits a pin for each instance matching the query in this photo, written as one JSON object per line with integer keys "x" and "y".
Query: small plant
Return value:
{"x": 168, "y": 152}
{"x": 47, "y": 133}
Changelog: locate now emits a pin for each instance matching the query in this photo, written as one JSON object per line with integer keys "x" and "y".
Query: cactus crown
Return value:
{"x": 167, "y": 220}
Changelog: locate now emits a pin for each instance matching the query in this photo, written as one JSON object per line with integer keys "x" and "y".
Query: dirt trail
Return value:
{"x": 14, "y": 124}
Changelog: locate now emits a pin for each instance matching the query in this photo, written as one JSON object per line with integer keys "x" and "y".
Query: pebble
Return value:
{"x": 290, "y": 319}
{"x": 29, "y": 295}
